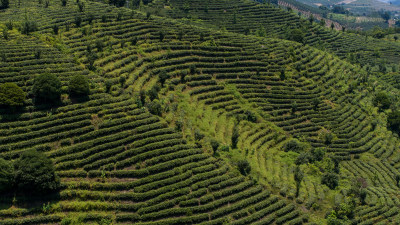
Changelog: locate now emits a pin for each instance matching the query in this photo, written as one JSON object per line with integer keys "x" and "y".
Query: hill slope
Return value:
{"x": 263, "y": 20}
{"x": 118, "y": 162}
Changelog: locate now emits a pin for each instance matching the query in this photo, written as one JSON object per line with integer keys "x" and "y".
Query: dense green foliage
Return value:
{"x": 11, "y": 95}
{"x": 394, "y": 121}
{"x": 293, "y": 146}
{"x": 35, "y": 174}
{"x": 244, "y": 167}
{"x": 78, "y": 86}
{"x": 47, "y": 88}
{"x": 6, "y": 176}
{"x": 382, "y": 101}
{"x": 331, "y": 180}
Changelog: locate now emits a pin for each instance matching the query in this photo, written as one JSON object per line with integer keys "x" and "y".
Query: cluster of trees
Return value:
{"x": 134, "y": 3}
{"x": 341, "y": 214}
{"x": 318, "y": 158}
{"x": 32, "y": 173}
{"x": 379, "y": 32}
{"x": 339, "y": 9}
{"x": 383, "y": 101}
{"x": 46, "y": 89}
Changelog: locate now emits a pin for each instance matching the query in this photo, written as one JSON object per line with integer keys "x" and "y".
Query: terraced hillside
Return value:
{"x": 252, "y": 17}
{"x": 120, "y": 163}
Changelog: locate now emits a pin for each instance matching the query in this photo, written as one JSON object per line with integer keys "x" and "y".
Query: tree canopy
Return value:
{"x": 79, "y": 86}
{"x": 382, "y": 101}
{"x": 47, "y": 88}
{"x": 6, "y": 175}
{"x": 35, "y": 173}
{"x": 11, "y": 95}
{"x": 297, "y": 35}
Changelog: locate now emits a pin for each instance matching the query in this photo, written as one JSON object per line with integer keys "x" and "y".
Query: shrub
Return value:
{"x": 192, "y": 69}
{"x": 318, "y": 153}
{"x": 28, "y": 26}
{"x": 81, "y": 6}
{"x": 153, "y": 92}
{"x": 298, "y": 177}
{"x": 35, "y": 173}
{"x": 316, "y": 102}
{"x": 179, "y": 125}
{"x": 47, "y": 88}
{"x": 198, "y": 135}
{"x": 235, "y": 137}
{"x": 394, "y": 121}
{"x": 224, "y": 148}
{"x": 282, "y": 75}
{"x": 297, "y": 35}
{"x": 382, "y": 101}
{"x": 346, "y": 210}
{"x": 108, "y": 84}
{"x": 90, "y": 18}
{"x": 161, "y": 35}
{"x": 5, "y": 33}
{"x": 63, "y": 2}
{"x": 294, "y": 107}
{"x": 397, "y": 178}
{"x": 303, "y": 158}
{"x": 99, "y": 45}
{"x": 328, "y": 138}
{"x": 134, "y": 41}
{"x": 9, "y": 25}
{"x": 38, "y": 54}
{"x": 292, "y": 145}
{"x": 55, "y": 29}
{"x": 91, "y": 56}
{"x": 11, "y": 95}
{"x": 214, "y": 144}
{"x": 332, "y": 217}
{"x": 251, "y": 116}
{"x": 103, "y": 18}
{"x": 363, "y": 195}
{"x": 163, "y": 76}
{"x": 118, "y": 3}
{"x": 244, "y": 167}
{"x": 79, "y": 86}
{"x": 331, "y": 180}
{"x": 78, "y": 21}
{"x": 6, "y": 175}
{"x": 122, "y": 80}
{"x": 119, "y": 16}
{"x": 155, "y": 107}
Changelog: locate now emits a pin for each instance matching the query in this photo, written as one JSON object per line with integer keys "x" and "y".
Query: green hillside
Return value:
{"x": 267, "y": 21}
{"x": 178, "y": 107}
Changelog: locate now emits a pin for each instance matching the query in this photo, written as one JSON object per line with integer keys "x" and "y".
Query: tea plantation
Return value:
{"x": 187, "y": 122}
